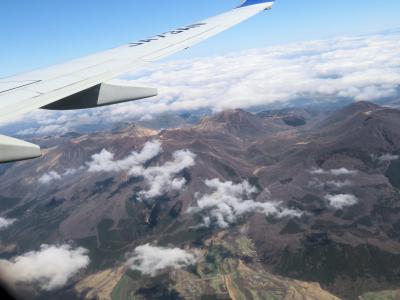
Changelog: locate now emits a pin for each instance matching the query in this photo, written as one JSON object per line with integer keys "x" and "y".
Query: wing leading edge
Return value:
{"x": 57, "y": 86}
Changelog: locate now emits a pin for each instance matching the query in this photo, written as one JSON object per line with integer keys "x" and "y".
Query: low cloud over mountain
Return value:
{"x": 4, "y": 222}
{"x": 51, "y": 176}
{"x": 150, "y": 260}
{"x": 49, "y": 268}
{"x": 339, "y": 184}
{"x": 333, "y": 172}
{"x": 341, "y": 200}
{"x": 105, "y": 162}
{"x": 386, "y": 157}
{"x": 228, "y": 201}
{"x": 160, "y": 179}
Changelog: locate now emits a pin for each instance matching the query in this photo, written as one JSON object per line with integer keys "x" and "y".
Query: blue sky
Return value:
{"x": 44, "y": 32}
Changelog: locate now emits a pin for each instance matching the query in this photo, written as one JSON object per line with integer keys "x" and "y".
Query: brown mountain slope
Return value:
{"x": 238, "y": 123}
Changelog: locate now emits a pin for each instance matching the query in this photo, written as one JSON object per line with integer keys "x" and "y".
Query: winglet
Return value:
{"x": 256, "y": 2}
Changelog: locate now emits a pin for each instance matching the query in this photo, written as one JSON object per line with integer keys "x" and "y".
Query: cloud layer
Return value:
{"x": 228, "y": 201}
{"x": 49, "y": 268}
{"x": 359, "y": 68}
{"x": 150, "y": 260}
{"x": 355, "y": 68}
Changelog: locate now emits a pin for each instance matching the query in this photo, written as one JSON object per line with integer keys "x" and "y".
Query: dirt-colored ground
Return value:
{"x": 101, "y": 284}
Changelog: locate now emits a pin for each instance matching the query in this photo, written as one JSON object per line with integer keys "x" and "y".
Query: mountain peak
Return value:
{"x": 134, "y": 130}
{"x": 350, "y": 111}
{"x": 361, "y": 106}
{"x": 234, "y": 121}
{"x": 358, "y": 107}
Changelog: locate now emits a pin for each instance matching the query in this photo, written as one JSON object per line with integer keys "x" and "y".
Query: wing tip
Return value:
{"x": 255, "y": 2}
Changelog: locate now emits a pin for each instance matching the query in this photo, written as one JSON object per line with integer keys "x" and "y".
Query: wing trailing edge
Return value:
{"x": 256, "y": 2}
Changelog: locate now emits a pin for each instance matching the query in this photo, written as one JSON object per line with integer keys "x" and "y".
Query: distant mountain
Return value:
{"x": 351, "y": 110}
{"x": 289, "y": 116}
{"x": 340, "y": 170}
{"x": 365, "y": 125}
{"x": 238, "y": 123}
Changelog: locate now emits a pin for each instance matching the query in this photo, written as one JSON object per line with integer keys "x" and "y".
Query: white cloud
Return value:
{"x": 50, "y": 268}
{"x": 359, "y": 68}
{"x": 51, "y": 129}
{"x": 388, "y": 157}
{"x": 42, "y": 122}
{"x": 160, "y": 179}
{"x": 72, "y": 171}
{"x": 4, "y": 222}
{"x": 341, "y": 200}
{"x": 318, "y": 171}
{"x": 146, "y": 117}
{"x": 105, "y": 162}
{"x": 49, "y": 177}
{"x": 228, "y": 201}
{"x": 45, "y": 130}
{"x": 342, "y": 171}
{"x": 316, "y": 183}
{"x": 339, "y": 184}
{"x": 333, "y": 172}
{"x": 150, "y": 260}
{"x": 55, "y": 176}
{"x": 385, "y": 157}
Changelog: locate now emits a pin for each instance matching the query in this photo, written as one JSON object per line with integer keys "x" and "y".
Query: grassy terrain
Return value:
{"x": 222, "y": 274}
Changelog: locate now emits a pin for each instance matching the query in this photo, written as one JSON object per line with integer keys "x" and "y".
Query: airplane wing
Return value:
{"x": 85, "y": 82}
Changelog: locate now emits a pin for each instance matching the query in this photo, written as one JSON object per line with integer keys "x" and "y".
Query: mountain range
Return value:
{"x": 279, "y": 204}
